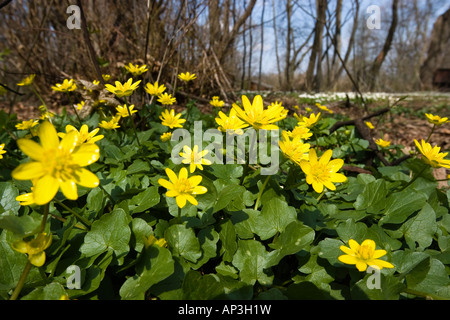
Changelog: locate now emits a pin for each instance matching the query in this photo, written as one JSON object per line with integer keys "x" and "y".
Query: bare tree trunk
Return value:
{"x": 277, "y": 56}
{"x": 316, "y": 51}
{"x": 287, "y": 69}
{"x": 262, "y": 45}
{"x": 376, "y": 65}
{"x": 350, "y": 43}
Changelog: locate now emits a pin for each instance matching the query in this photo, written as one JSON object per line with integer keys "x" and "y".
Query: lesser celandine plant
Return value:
{"x": 137, "y": 224}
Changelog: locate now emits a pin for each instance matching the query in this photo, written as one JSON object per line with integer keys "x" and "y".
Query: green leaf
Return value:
{"x": 329, "y": 249}
{"x": 401, "y": 205}
{"x": 251, "y": 259}
{"x": 144, "y": 200}
{"x": 274, "y": 217}
{"x": 429, "y": 278}
{"x": 8, "y": 199}
{"x": 208, "y": 239}
{"x": 52, "y": 291}
{"x": 12, "y": 264}
{"x": 420, "y": 228}
{"x": 227, "y": 195}
{"x": 227, "y": 236}
{"x": 183, "y": 242}
{"x": 110, "y": 232}
{"x": 138, "y": 166}
{"x": 294, "y": 238}
{"x": 227, "y": 171}
{"x": 373, "y": 197}
{"x": 155, "y": 265}
{"x": 198, "y": 287}
{"x": 22, "y": 226}
{"x": 389, "y": 287}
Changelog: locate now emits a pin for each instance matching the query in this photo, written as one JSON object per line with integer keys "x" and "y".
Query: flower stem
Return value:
{"x": 320, "y": 196}
{"x": 27, "y": 268}
{"x": 132, "y": 123}
{"x": 431, "y": 132}
{"x": 74, "y": 109}
{"x": 82, "y": 219}
{"x": 261, "y": 192}
{"x": 413, "y": 179}
{"x": 21, "y": 282}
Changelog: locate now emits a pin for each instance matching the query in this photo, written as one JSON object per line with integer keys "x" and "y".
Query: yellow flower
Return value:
{"x": 308, "y": 109}
{"x": 66, "y": 86}
{"x": 166, "y": 99}
{"x": 84, "y": 136}
{"x": 323, "y": 172}
{"x": 80, "y": 105}
{"x": 27, "y": 81}
{"x": 231, "y": 124}
{"x": 382, "y": 143}
{"x": 181, "y": 187}
{"x": 169, "y": 119}
{"x": 27, "y": 125}
{"x": 56, "y": 164}
{"x": 255, "y": 115}
{"x": 151, "y": 240}
{"x": 2, "y": 152}
{"x": 300, "y": 131}
{"x": 123, "y": 110}
{"x": 111, "y": 124}
{"x": 35, "y": 248}
{"x": 432, "y": 156}
{"x": 106, "y": 77}
{"x": 369, "y": 124}
{"x": 136, "y": 70}
{"x": 26, "y": 199}
{"x": 194, "y": 158}
{"x": 216, "y": 102}
{"x": 166, "y": 136}
{"x": 155, "y": 89}
{"x": 123, "y": 90}
{"x": 308, "y": 122}
{"x": 294, "y": 149}
{"x": 324, "y": 108}
{"x": 364, "y": 255}
{"x": 437, "y": 120}
{"x": 187, "y": 76}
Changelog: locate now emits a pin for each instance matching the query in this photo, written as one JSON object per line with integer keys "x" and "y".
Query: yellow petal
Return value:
{"x": 183, "y": 174}
{"x": 382, "y": 264}
{"x": 20, "y": 246}
{"x": 361, "y": 266}
{"x": 347, "y": 250}
{"x": 166, "y": 184}
{"x": 353, "y": 245}
{"x": 172, "y": 176}
{"x": 317, "y": 186}
{"x": 69, "y": 141}
{"x": 325, "y": 158}
{"x": 312, "y": 156}
{"x": 45, "y": 189}
{"x": 48, "y": 136}
{"x": 31, "y": 148}
{"x": 378, "y": 253}
{"x": 181, "y": 201}
{"x": 69, "y": 189}
{"x": 191, "y": 199}
{"x": 199, "y": 190}
{"x": 38, "y": 259}
{"x": 28, "y": 171}
{"x": 338, "y": 177}
{"x": 86, "y": 178}
{"x": 348, "y": 259}
{"x": 86, "y": 154}
{"x": 195, "y": 180}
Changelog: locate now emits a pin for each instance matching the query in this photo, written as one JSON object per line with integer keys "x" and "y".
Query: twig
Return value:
{"x": 89, "y": 43}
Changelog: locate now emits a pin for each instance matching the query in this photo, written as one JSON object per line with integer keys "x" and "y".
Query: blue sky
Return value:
{"x": 302, "y": 20}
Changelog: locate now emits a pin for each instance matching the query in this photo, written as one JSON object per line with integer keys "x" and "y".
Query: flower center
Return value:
{"x": 320, "y": 172}
{"x": 184, "y": 186}
{"x": 58, "y": 163}
{"x": 365, "y": 252}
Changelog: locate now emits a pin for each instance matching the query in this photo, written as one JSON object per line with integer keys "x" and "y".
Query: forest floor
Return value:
{"x": 402, "y": 125}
